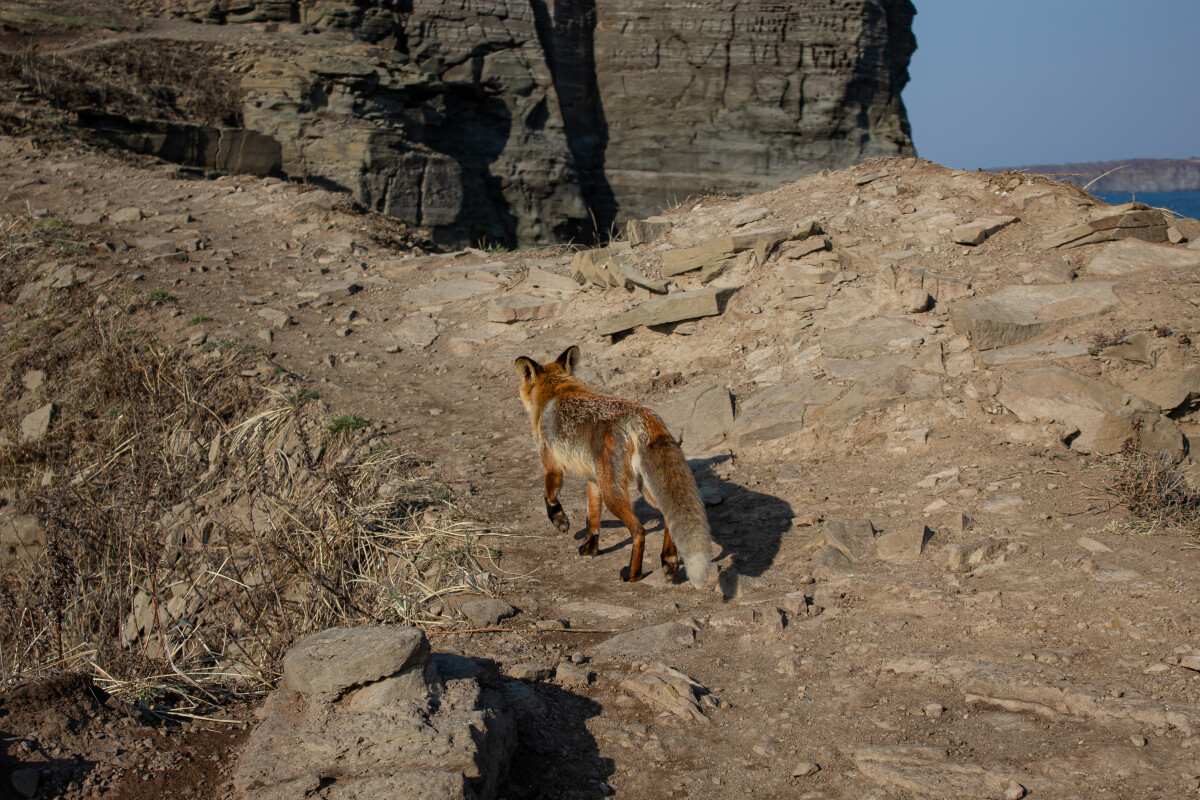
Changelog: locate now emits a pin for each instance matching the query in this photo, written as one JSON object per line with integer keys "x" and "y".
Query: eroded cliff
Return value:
{"x": 532, "y": 121}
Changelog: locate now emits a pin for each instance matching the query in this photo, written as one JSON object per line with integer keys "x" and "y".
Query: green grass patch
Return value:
{"x": 342, "y": 427}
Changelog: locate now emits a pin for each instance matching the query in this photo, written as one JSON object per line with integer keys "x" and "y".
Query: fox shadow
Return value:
{"x": 747, "y": 525}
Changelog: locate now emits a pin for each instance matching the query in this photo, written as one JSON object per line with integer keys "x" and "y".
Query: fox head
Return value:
{"x": 533, "y": 374}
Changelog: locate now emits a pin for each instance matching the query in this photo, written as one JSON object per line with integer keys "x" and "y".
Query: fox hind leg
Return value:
{"x": 618, "y": 503}
{"x": 670, "y": 556}
{"x": 591, "y": 545}
{"x": 554, "y": 509}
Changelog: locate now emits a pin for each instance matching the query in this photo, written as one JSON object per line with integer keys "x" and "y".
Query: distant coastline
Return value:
{"x": 1131, "y": 175}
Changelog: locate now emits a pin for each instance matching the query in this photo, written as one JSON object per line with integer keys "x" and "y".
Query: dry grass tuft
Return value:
{"x": 1153, "y": 487}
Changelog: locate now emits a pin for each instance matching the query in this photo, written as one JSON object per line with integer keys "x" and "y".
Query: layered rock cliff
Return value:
{"x": 532, "y": 121}
{"x": 1132, "y": 175}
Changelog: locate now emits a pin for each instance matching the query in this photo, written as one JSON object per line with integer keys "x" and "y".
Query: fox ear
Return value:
{"x": 526, "y": 367}
{"x": 568, "y": 359}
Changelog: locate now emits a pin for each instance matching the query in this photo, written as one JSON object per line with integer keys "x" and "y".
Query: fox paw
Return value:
{"x": 557, "y": 516}
{"x": 625, "y": 576}
{"x": 669, "y": 570}
{"x": 590, "y": 547}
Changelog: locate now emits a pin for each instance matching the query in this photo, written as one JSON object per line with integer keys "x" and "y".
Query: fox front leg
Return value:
{"x": 554, "y": 509}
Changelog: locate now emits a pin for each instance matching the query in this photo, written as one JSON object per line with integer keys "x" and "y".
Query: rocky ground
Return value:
{"x": 903, "y": 390}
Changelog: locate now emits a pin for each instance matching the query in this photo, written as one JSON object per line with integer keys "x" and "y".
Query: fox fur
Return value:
{"x": 614, "y": 442}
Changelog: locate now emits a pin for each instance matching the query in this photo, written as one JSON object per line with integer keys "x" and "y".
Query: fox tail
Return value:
{"x": 665, "y": 472}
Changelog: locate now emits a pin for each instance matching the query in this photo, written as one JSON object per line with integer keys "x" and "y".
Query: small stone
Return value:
{"x": 25, "y": 781}
{"x": 36, "y": 424}
{"x": 1014, "y": 791}
{"x": 975, "y": 233}
{"x": 530, "y": 672}
{"x": 343, "y": 332}
{"x": 805, "y": 769}
{"x": 197, "y": 339}
{"x": 1092, "y": 546}
{"x": 746, "y": 217}
{"x": 1138, "y": 741}
{"x": 934, "y": 710}
{"x": 125, "y": 215}
{"x": 33, "y": 379}
{"x": 278, "y": 318}
{"x": 578, "y": 658}
{"x": 569, "y": 674}
{"x": 916, "y": 301}
{"x": 1190, "y": 662}
{"x": 487, "y": 613}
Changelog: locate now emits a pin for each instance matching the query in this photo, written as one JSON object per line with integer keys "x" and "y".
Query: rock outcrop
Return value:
{"x": 371, "y": 713}
{"x": 526, "y": 121}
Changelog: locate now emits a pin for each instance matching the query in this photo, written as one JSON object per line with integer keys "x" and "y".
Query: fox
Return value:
{"x": 613, "y": 442}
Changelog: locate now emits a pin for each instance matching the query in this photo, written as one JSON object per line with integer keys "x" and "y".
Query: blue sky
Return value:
{"x": 1015, "y": 82}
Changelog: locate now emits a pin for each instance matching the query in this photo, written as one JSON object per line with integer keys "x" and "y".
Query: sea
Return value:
{"x": 1185, "y": 204}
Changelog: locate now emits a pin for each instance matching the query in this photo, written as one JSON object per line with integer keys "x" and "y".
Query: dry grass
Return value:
{"x": 196, "y": 520}
{"x": 1153, "y": 487}
{"x": 136, "y": 79}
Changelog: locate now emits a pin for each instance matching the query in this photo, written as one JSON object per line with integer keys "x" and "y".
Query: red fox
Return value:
{"x": 614, "y": 441}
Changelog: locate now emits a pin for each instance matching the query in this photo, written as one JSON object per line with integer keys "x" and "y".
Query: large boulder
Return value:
{"x": 370, "y": 713}
{"x": 1103, "y": 417}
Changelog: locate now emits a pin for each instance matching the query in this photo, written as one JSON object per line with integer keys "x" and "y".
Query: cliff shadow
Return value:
{"x": 556, "y": 755}
{"x": 473, "y": 128}
{"x": 566, "y": 31}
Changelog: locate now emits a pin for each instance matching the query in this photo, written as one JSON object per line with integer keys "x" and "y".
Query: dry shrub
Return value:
{"x": 1153, "y": 487}
{"x": 196, "y": 522}
{"x": 142, "y": 79}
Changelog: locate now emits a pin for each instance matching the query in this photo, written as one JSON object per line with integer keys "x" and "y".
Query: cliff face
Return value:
{"x": 531, "y": 121}
{"x": 1134, "y": 175}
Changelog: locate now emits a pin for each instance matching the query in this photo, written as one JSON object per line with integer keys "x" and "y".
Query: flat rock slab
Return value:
{"x": 336, "y": 659}
{"x": 644, "y": 641}
{"x": 416, "y": 330}
{"x": 450, "y": 291}
{"x": 1169, "y": 391}
{"x": 540, "y": 278}
{"x": 854, "y": 539}
{"x": 1018, "y": 314}
{"x": 522, "y": 308}
{"x": 872, "y": 337}
{"x": 1130, "y": 221}
{"x": 663, "y": 310}
{"x": 1105, "y": 416}
{"x": 1048, "y": 351}
{"x": 928, "y": 772}
{"x": 876, "y": 391}
{"x": 666, "y": 689}
{"x": 903, "y": 546}
{"x": 1134, "y": 255}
